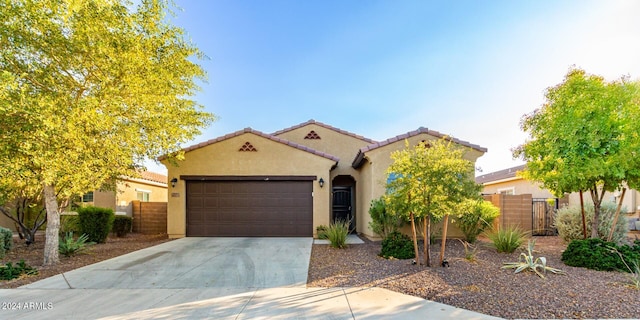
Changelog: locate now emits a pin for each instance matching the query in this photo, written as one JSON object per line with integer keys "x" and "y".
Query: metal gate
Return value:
{"x": 543, "y": 211}
{"x": 342, "y": 206}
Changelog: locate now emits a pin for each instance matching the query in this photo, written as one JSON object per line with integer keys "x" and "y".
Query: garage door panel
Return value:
{"x": 249, "y": 208}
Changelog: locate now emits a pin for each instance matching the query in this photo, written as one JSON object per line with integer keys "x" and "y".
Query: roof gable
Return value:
{"x": 357, "y": 162}
{"x": 347, "y": 133}
{"x": 264, "y": 135}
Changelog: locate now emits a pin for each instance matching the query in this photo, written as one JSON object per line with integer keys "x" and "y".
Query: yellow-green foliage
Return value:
{"x": 475, "y": 217}
{"x": 584, "y": 137}
{"x": 88, "y": 90}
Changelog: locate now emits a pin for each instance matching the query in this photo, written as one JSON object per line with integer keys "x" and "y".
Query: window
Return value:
{"x": 507, "y": 191}
{"x": 143, "y": 195}
{"x": 87, "y": 197}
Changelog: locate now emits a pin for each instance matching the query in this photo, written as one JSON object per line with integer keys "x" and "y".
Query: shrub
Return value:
{"x": 507, "y": 239}
{"x": 568, "y": 220}
{"x": 383, "y": 221}
{"x": 634, "y": 277}
{"x": 69, "y": 223}
{"x": 95, "y": 222}
{"x": 527, "y": 262}
{"x": 598, "y": 254}
{"x": 122, "y": 225}
{"x": 69, "y": 246}
{"x": 9, "y": 271}
{"x": 337, "y": 234}
{"x": 6, "y": 241}
{"x": 321, "y": 230}
{"x": 478, "y": 216}
{"x": 397, "y": 245}
{"x": 470, "y": 251}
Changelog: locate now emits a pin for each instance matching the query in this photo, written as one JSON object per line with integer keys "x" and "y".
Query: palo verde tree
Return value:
{"x": 584, "y": 138}
{"x": 89, "y": 89}
{"x": 427, "y": 183}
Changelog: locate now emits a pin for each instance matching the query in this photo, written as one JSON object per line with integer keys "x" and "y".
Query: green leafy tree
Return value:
{"x": 584, "y": 138}
{"x": 428, "y": 182}
{"x": 89, "y": 89}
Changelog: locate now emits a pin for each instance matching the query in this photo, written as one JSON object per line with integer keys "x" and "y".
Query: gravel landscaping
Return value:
{"x": 482, "y": 286}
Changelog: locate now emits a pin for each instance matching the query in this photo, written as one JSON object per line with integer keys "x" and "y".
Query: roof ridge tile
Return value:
{"x": 360, "y": 155}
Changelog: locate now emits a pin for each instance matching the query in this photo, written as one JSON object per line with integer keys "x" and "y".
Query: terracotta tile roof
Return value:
{"x": 499, "y": 175}
{"x": 360, "y": 156}
{"x": 151, "y": 176}
{"x": 277, "y": 133}
{"x": 264, "y": 135}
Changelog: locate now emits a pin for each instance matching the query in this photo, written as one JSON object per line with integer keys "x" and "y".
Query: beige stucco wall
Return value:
{"x": 127, "y": 192}
{"x": 223, "y": 158}
{"x": 343, "y": 146}
{"x": 630, "y": 202}
{"x": 520, "y": 186}
{"x": 378, "y": 161}
{"x": 338, "y": 144}
{"x": 363, "y": 199}
{"x": 5, "y": 222}
{"x": 104, "y": 199}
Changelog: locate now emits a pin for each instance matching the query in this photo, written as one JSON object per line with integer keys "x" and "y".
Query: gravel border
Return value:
{"x": 482, "y": 285}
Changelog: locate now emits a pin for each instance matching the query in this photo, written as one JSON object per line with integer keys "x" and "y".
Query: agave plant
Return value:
{"x": 528, "y": 262}
{"x": 69, "y": 246}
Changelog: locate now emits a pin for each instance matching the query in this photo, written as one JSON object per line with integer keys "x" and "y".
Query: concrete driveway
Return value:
{"x": 214, "y": 278}
{"x": 197, "y": 263}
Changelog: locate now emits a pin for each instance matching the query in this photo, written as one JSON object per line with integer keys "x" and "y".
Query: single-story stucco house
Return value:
{"x": 250, "y": 183}
{"x": 149, "y": 187}
{"x": 508, "y": 182}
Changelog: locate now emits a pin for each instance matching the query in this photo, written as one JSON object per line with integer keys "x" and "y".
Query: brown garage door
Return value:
{"x": 249, "y": 208}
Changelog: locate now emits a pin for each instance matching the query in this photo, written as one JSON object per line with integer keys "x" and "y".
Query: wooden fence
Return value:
{"x": 149, "y": 217}
{"x": 515, "y": 210}
{"x": 535, "y": 216}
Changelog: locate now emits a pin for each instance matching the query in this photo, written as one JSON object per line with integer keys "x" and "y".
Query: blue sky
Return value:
{"x": 469, "y": 69}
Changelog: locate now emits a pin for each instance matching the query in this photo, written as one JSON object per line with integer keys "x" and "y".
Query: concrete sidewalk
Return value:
{"x": 224, "y": 303}
{"x": 215, "y": 278}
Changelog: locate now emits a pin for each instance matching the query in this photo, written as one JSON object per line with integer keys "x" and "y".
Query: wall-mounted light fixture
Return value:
{"x": 321, "y": 182}
{"x": 173, "y": 182}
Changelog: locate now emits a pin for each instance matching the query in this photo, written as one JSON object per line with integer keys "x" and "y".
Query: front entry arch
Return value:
{"x": 343, "y": 200}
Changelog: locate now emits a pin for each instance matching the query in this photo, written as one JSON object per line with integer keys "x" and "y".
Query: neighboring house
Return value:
{"x": 250, "y": 183}
{"x": 149, "y": 187}
{"x": 507, "y": 182}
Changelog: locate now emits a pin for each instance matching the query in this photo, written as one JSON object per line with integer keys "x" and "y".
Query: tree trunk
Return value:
{"x": 615, "y": 217}
{"x": 427, "y": 240}
{"x": 414, "y": 236}
{"x": 444, "y": 238}
{"x": 597, "y": 203}
{"x": 584, "y": 219}
{"x": 51, "y": 256}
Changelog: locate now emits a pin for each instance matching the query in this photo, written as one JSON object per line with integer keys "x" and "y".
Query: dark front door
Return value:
{"x": 342, "y": 206}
